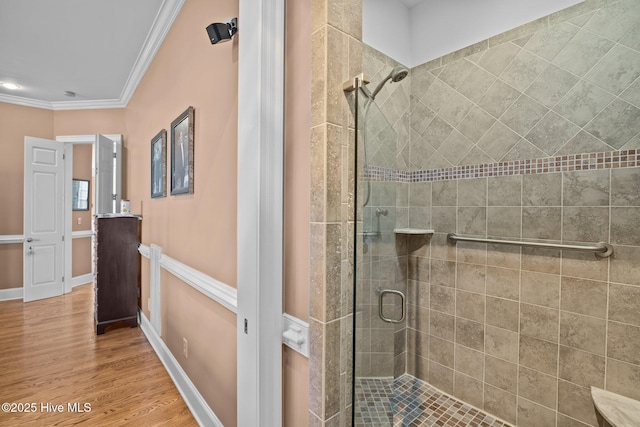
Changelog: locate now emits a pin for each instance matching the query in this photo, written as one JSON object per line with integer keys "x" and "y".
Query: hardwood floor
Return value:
{"x": 50, "y": 355}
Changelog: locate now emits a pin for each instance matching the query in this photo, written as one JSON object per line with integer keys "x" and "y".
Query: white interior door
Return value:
{"x": 106, "y": 176}
{"x": 43, "y": 218}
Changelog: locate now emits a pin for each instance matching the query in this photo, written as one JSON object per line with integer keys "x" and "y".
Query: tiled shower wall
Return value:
{"x": 569, "y": 87}
{"x": 523, "y": 333}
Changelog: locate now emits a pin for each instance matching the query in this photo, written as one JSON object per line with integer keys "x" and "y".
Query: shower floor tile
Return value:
{"x": 408, "y": 401}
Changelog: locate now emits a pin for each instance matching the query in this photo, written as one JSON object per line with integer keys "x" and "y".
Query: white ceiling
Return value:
{"x": 411, "y": 3}
{"x": 98, "y": 49}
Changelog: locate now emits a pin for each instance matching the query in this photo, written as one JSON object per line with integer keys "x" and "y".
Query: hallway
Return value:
{"x": 51, "y": 359}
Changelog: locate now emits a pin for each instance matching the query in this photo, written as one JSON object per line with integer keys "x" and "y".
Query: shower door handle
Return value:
{"x": 403, "y": 302}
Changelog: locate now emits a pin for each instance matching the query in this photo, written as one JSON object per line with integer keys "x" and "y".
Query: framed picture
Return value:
{"x": 182, "y": 153}
{"x": 159, "y": 165}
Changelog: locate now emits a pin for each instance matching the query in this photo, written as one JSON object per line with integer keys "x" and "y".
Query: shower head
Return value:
{"x": 396, "y": 75}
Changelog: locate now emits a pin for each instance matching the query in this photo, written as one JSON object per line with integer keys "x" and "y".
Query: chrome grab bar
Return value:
{"x": 381, "y": 294}
{"x": 602, "y": 249}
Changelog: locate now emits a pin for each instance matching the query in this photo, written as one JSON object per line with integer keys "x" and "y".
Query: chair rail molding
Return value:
{"x": 10, "y": 239}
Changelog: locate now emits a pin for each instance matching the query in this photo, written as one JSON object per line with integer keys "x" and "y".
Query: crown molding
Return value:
{"x": 161, "y": 25}
{"x": 27, "y": 102}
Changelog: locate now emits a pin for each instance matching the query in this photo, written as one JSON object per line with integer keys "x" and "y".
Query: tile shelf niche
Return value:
{"x": 420, "y": 231}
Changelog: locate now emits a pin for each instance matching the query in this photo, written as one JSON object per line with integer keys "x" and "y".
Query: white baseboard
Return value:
{"x": 81, "y": 280}
{"x": 9, "y": 294}
{"x": 201, "y": 411}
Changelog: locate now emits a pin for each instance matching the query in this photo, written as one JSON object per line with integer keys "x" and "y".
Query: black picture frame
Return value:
{"x": 182, "y": 153}
{"x": 159, "y": 165}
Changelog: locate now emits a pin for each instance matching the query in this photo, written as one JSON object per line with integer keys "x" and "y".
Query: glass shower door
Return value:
{"x": 380, "y": 274}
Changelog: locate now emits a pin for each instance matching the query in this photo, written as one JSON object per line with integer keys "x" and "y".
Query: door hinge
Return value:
{"x": 63, "y": 238}
{"x": 62, "y": 279}
{"x": 115, "y": 155}
{"x": 246, "y": 326}
{"x": 113, "y": 196}
{"x": 64, "y": 156}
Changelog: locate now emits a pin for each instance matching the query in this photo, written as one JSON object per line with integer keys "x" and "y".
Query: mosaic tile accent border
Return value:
{"x": 409, "y": 401}
{"x": 569, "y": 163}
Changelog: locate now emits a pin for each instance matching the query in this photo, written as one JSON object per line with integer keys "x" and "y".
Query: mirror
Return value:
{"x": 80, "y": 194}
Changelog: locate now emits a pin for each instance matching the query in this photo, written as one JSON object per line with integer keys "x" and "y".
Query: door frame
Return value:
{"x": 69, "y": 142}
{"x": 260, "y": 212}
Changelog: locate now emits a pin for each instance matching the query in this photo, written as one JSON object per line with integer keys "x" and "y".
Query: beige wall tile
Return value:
{"x": 584, "y": 296}
{"x": 623, "y": 342}
{"x": 471, "y": 277}
{"x": 624, "y": 303}
{"x": 501, "y": 403}
{"x": 318, "y": 74}
{"x": 470, "y": 306}
{"x": 470, "y": 334}
{"x": 503, "y": 256}
{"x": 503, "y": 283}
{"x": 539, "y": 355}
{"x": 469, "y": 362}
{"x": 501, "y": 374}
{"x": 468, "y": 389}
{"x": 505, "y": 191}
{"x": 533, "y": 415}
{"x": 441, "y": 351}
{"x": 472, "y": 220}
{"x": 623, "y": 378}
{"x": 586, "y": 188}
{"x": 502, "y": 313}
{"x": 538, "y": 387}
{"x": 582, "y": 368}
{"x": 441, "y": 377}
{"x": 540, "y": 289}
{"x": 541, "y": 260}
{"x": 624, "y": 265}
{"x": 539, "y": 322}
{"x": 583, "y": 332}
{"x": 442, "y": 325}
{"x": 504, "y": 222}
{"x": 542, "y": 190}
{"x": 472, "y": 192}
{"x": 443, "y": 299}
{"x": 541, "y": 223}
{"x": 501, "y": 343}
{"x": 576, "y": 402}
{"x": 472, "y": 253}
{"x": 585, "y": 265}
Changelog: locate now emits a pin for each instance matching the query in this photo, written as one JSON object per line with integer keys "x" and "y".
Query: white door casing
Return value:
{"x": 104, "y": 174}
{"x": 70, "y": 141}
{"x": 43, "y": 264}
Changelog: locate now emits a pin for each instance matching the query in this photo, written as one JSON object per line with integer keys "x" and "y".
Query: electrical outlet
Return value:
{"x": 79, "y": 221}
{"x": 185, "y": 347}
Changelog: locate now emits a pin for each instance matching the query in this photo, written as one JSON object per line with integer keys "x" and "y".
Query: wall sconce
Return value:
{"x": 222, "y": 31}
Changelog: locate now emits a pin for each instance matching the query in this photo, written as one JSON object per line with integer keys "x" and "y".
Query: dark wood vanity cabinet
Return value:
{"x": 117, "y": 266}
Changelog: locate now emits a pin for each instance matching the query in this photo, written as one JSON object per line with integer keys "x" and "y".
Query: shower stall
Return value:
{"x": 497, "y": 197}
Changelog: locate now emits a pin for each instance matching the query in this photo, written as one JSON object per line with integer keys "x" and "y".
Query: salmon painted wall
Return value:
{"x": 198, "y": 229}
{"x": 16, "y": 122}
{"x": 297, "y": 152}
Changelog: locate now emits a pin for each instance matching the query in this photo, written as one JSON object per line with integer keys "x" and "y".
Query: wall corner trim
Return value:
{"x": 10, "y": 294}
{"x": 201, "y": 411}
